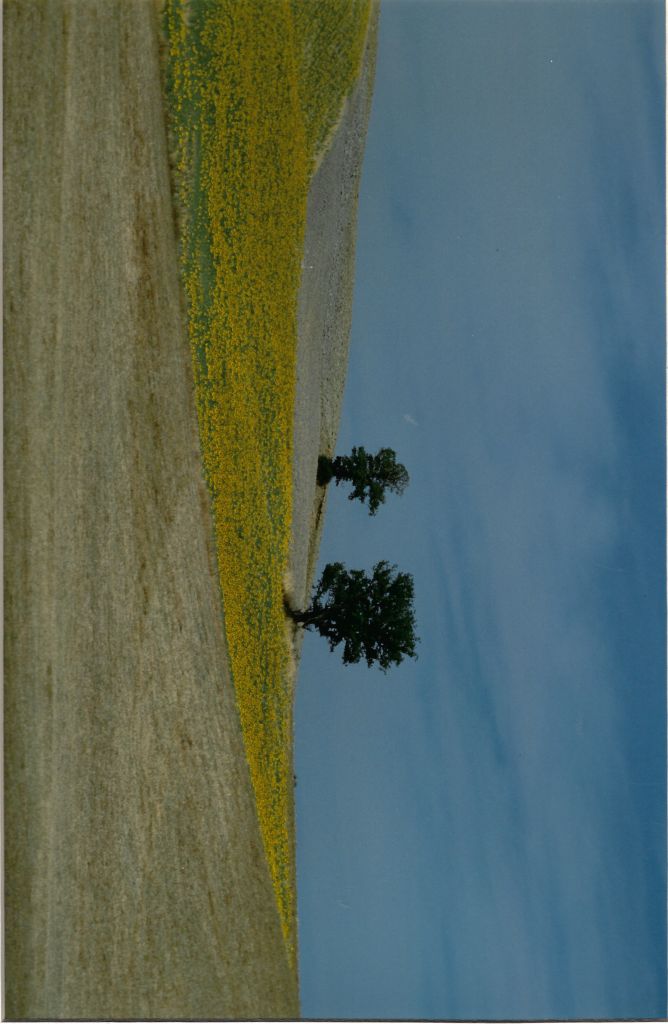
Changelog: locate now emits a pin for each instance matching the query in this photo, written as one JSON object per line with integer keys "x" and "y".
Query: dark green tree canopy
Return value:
{"x": 370, "y": 475}
{"x": 371, "y": 614}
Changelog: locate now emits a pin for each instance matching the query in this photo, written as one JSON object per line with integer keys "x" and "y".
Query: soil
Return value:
{"x": 135, "y": 879}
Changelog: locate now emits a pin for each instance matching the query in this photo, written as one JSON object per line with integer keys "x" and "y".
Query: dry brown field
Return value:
{"x": 136, "y": 883}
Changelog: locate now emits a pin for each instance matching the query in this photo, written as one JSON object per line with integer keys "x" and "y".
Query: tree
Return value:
{"x": 370, "y": 475}
{"x": 372, "y": 615}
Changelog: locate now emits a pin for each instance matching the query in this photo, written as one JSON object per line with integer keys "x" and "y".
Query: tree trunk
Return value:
{"x": 304, "y": 618}
{"x": 325, "y": 470}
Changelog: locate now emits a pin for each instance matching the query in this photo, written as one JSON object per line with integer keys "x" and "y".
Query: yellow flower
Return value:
{"x": 254, "y": 91}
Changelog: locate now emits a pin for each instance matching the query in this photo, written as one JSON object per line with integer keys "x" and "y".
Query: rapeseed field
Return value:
{"x": 254, "y": 89}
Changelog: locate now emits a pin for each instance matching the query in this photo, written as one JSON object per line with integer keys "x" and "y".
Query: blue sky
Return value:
{"x": 481, "y": 833}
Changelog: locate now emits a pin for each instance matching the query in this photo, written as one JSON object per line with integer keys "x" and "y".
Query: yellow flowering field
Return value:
{"x": 254, "y": 89}
{"x": 330, "y": 37}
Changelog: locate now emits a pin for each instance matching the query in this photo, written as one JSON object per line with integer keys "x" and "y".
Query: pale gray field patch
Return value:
{"x": 324, "y": 317}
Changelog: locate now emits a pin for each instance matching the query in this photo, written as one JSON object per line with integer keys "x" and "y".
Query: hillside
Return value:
{"x": 136, "y": 877}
